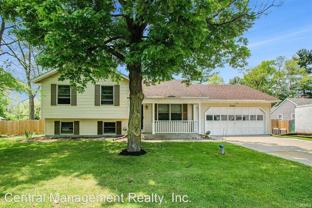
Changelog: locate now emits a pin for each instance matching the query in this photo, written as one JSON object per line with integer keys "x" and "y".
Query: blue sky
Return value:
{"x": 282, "y": 32}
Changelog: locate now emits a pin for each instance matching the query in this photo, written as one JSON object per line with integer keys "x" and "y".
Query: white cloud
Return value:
{"x": 280, "y": 37}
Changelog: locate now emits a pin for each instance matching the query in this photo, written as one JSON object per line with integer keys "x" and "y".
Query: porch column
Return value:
{"x": 153, "y": 118}
{"x": 199, "y": 118}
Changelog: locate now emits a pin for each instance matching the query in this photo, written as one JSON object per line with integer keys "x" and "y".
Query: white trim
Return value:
{"x": 199, "y": 118}
{"x": 153, "y": 118}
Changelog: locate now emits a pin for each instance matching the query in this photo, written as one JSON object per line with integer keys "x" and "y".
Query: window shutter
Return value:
{"x": 118, "y": 128}
{"x": 97, "y": 95}
{"x": 117, "y": 95}
{"x": 73, "y": 96}
{"x": 76, "y": 128}
{"x": 184, "y": 115}
{"x": 57, "y": 127}
{"x": 156, "y": 114}
{"x": 53, "y": 94}
{"x": 100, "y": 127}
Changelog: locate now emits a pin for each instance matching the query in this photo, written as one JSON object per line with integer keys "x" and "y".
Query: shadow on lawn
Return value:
{"x": 191, "y": 168}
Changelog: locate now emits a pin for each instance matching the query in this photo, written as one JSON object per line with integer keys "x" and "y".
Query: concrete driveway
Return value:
{"x": 291, "y": 149}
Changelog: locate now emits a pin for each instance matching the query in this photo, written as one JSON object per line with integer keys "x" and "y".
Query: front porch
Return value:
{"x": 173, "y": 118}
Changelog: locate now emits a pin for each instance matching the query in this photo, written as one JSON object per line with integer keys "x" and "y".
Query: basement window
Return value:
{"x": 109, "y": 127}
{"x": 67, "y": 127}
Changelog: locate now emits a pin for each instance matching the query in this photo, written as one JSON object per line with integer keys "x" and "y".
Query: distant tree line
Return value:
{"x": 281, "y": 77}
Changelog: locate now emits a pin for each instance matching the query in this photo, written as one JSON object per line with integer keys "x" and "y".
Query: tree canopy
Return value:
{"x": 281, "y": 78}
{"x": 155, "y": 40}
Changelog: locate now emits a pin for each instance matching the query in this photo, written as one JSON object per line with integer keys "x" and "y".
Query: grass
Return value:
{"x": 241, "y": 178}
{"x": 303, "y": 137}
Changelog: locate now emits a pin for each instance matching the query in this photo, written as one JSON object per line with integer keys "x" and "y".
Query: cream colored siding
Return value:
{"x": 85, "y": 102}
{"x": 88, "y": 127}
{"x": 147, "y": 122}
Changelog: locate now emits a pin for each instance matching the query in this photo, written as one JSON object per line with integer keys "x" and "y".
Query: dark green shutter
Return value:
{"x": 117, "y": 95}
{"x": 73, "y": 96}
{"x": 118, "y": 127}
{"x": 57, "y": 127}
{"x": 53, "y": 94}
{"x": 184, "y": 115}
{"x": 156, "y": 115}
{"x": 76, "y": 128}
{"x": 100, "y": 127}
{"x": 97, "y": 97}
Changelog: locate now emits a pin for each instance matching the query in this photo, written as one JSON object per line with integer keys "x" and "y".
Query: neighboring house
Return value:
{"x": 286, "y": 109}
{"x": 169, "y": 107}
{"x": 303, "y": 122}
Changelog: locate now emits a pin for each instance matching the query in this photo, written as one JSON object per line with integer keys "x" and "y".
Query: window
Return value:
{"x": 107, "y": 95}
{"x": 280, "y": 116}
{"x": 245, "y": 117}
{"x": 224, "y": 117}
{"x": 209, "y": 117}
{"x": 231, "y": 117}
{"x": 176, "y": 112}
{"x": 109, "y": 128}
{"x": 67, "y": 127}
{"x": 163, "y": 112}
{"x": 260, "y": 117}
{"x": 238, "y": 117}
{"x": 253, "y": 117}
{"x": 63, "y": 94}
{"x": 216, "y": 117}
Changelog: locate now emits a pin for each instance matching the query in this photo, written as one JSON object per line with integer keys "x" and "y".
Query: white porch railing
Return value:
{"x": 188, "y": 126}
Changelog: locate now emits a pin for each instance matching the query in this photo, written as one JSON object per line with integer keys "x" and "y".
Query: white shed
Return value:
{"x": 303, "y": 121}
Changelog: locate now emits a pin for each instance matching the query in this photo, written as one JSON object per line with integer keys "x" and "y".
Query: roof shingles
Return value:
{"x": 176, "y": 88}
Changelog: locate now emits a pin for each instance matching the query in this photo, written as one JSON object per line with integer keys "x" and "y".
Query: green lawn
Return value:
{"x": 241, "y": 178}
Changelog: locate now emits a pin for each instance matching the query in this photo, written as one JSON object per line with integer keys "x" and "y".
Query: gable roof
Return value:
{"x": 300, "y": 101}
{"x": 176, "y": 88}
{"x": 48, "y": 74}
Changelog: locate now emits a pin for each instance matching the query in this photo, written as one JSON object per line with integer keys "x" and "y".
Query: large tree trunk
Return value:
{"x": 136, "y": 98}
{"x": 31, "y": 106}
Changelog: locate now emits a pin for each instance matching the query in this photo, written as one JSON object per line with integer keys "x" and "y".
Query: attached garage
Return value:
{"x": 235, "y": 121}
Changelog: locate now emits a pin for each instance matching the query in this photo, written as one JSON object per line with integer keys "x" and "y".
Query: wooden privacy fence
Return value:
{"x": 20, "y": 127}
{"x": 282, "y": 126}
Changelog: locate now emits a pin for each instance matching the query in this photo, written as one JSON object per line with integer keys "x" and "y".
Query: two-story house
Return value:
{"x": 169, "y": 107}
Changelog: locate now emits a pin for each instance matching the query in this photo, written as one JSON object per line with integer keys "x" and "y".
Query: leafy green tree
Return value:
{"x": 305, "y": 59}
{"x": 7, "y": 83}
{"x": 215, "y": 79}
{"x": 236, "y": 80}
{"x": 281, "y": 78}
{"x": 155, "y": 40}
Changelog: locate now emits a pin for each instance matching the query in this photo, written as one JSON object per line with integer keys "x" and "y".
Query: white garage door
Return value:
{"x": 234, "y": 121}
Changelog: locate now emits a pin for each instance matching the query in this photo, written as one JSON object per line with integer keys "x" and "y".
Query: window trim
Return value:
{"x": 67, "y": 133}
{"x": 113, "y": 94}
{"x": 57, "y": 94}
{"x": 104, "y": 128}
{"x": 169, "y": 111}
